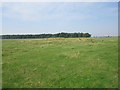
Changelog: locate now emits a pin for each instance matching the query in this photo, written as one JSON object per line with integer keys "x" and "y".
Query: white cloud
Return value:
{"x": 45, "y": 11}
{"x": 0, "y": 4}
{"x": 0, "y": 18}
{"x": 20, "y": 11}
{"x": 38, "y": 11}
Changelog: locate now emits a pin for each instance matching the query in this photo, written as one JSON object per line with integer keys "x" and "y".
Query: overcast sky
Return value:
{"x": 96, "y": 18}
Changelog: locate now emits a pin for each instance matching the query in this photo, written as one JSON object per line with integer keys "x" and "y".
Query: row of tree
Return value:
{"x": 65, "y": 35}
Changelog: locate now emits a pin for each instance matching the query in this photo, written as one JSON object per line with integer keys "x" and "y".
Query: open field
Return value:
{"x": 60, "y": 63}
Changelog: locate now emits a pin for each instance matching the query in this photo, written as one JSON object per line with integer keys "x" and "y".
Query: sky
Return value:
{"x": 96, "y": 18}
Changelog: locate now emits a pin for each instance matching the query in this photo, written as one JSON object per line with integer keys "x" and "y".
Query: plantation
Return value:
{"x": 62, "y": 34}
{"x": 60, "y": 63}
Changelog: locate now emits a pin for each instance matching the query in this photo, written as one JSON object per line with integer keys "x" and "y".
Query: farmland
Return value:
{"x": 60, "y": 63}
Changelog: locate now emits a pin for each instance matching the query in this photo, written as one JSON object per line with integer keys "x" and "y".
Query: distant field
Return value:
{"x": 60, "y": 63}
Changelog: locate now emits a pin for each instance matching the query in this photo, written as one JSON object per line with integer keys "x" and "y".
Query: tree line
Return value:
{"x": 62, "y": 34}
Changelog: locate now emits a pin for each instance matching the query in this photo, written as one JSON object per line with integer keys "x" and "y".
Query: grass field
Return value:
{"x": 60, "y": 63}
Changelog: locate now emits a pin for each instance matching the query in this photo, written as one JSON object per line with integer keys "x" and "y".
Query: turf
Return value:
{"x": 60, "y": 63}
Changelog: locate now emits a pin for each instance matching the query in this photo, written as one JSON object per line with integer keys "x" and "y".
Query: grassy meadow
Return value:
{"x": 60, "y": 63}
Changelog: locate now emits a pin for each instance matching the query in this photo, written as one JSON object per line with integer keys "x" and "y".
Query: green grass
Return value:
{"x": 60, "y": 63}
